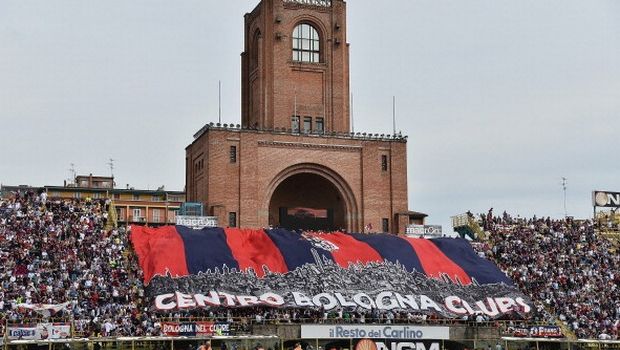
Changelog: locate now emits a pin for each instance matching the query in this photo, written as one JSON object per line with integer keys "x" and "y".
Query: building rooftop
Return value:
{"x": 398, "y": 137}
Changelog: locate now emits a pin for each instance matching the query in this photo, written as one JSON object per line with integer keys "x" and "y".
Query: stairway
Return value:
{"x": 568, "y": 333}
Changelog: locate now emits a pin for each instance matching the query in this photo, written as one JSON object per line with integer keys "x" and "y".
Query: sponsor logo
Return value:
{"x": 606, "y": 199}
{"x": 424, "y": 230}
{"x": 367, "y": 344}
{"x": 386, "y": 332}
{"x": 196, "y": 222}
{"x": 402, "y": 333}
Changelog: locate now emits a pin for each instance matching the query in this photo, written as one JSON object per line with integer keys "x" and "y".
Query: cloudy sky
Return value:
{"x": 500, "y": 99}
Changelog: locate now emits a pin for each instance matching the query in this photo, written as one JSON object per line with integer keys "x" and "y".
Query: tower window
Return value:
{"x": 384, "y": 163}
{"x": 319, "y": 125}
{"x": 385, "y": 225}
{"x": 306, "y": 44}
{"x": 295, "y": 123}
{"x": 232, "y": 219}
{"x": 307, "y": 124}
{"x": 233, "y": 154}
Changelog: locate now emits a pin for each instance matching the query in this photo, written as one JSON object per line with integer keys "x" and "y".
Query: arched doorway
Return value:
{"x": 310, "y": 197}
{"x": 307, "y": 202}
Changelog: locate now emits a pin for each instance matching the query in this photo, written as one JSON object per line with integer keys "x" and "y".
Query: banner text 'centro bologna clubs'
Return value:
{"x": 228, "y": 268}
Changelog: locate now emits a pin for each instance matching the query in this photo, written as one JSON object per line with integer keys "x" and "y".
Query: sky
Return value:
{"x": 500, "y": 99}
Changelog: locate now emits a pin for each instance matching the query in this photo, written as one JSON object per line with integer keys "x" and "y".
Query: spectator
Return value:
{"x": 571, "y": 272}
{"x": 54, "y": 251}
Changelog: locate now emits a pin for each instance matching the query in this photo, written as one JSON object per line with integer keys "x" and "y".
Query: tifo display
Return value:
{"x": 216, "y": 267}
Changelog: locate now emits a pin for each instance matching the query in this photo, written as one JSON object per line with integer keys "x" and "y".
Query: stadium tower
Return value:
{"x": 294, "y": 162}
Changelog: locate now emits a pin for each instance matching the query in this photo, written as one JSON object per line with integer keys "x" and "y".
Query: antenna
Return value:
{"x": 72, "y": 172}
{"x": 111, "y": 165}
{"x": 564, "y": 183}
{"x": 219, "y": 101}
{"x": 394, "y": 114}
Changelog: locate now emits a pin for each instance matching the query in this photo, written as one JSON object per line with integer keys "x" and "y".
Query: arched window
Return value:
{"x": 306, "y": 44}
{"x": 256, "y": 43}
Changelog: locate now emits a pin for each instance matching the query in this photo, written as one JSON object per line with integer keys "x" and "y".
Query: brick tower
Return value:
{"x": 294, "y": 162}
{"x": 295, "y": 68}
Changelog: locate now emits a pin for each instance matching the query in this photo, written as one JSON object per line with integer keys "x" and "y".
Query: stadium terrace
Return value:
{"x": 55, "y": 229}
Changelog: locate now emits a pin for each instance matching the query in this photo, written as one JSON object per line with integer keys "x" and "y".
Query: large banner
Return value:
{"x": 227, "y": 268}
{"x": 39, "y": 331}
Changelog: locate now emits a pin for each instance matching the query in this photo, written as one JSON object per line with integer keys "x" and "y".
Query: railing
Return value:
{"x": 243, "y": 325}
{"x": 159, "y": 343}
{"x": 237, "y": 340}
{"x": 347, "y": 135}
{"x": 322, "y": 3}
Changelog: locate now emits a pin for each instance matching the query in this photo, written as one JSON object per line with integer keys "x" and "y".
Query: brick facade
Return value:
{"x": 274, "y": 86}
{"x": 235, "y": 171}
{"x": 266, "y": 158}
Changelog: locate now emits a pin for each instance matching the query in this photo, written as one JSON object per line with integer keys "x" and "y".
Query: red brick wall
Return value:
{"x": 271, "y": 81}
{"x": 245, "y": 187}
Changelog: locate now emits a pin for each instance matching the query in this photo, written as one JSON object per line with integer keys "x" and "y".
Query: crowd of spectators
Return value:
{"x": 54, "y": 251}
{"x": 58, "y": 250}
{"x": 564, "y": 265}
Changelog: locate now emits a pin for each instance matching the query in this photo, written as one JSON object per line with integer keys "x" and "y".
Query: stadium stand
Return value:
{"x": 566, "y": 267}
{"x": 55, "y": 251}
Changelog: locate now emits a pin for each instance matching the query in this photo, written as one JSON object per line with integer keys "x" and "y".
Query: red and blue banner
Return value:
{"x": 216, "y": 267}
{"x": 181, "y": 251}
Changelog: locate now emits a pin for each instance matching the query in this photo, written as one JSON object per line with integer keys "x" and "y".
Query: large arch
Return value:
{"x": 333, "y": 187}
